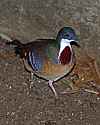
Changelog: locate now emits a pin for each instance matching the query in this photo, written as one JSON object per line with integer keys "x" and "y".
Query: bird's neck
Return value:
{"x": 65, "y": 52}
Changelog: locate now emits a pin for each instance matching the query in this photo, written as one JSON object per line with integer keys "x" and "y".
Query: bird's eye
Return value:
{"x": 67, "y": 35}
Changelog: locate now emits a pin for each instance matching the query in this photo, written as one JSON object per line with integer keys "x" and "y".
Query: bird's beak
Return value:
{"x": 75, "y": 43}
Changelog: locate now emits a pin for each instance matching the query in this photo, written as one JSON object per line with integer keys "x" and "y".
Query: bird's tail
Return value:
{"x": 18, "y": 46}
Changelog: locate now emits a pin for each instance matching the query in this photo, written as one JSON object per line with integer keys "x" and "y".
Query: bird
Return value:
{"x": 49, "y": 59}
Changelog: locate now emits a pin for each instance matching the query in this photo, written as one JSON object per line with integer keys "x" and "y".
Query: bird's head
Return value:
{"x": 66, "y": 37}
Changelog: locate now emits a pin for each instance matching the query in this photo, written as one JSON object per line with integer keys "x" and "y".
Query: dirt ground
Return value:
{"x": 24, "y": 104}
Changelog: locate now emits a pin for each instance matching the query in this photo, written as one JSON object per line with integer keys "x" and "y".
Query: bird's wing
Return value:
{"x": 40, "y": 51}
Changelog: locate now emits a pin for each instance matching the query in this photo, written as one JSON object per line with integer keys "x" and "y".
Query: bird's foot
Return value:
{"x": 52, "y": 88}
{"x": 96, "y": 88}
{"x": 75, "y": 90}
{"x": 92, "y": 91}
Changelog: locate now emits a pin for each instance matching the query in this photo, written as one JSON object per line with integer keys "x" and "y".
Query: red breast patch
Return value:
{"x": 65, "y": 55}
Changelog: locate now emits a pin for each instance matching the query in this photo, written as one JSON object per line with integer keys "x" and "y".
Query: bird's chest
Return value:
{"x": 51, "y": 68}
{"x": 54, "y": 71}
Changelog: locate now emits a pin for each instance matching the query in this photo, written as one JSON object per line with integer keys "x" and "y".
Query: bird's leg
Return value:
{"x": 32, "y": 76}
{"x": 52, "y": 88}
{"x": 73, "y": 89}
{"x": 31, "y": 79}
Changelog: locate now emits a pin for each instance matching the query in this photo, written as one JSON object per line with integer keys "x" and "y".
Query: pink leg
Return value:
{"x": 52, "y": 88}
